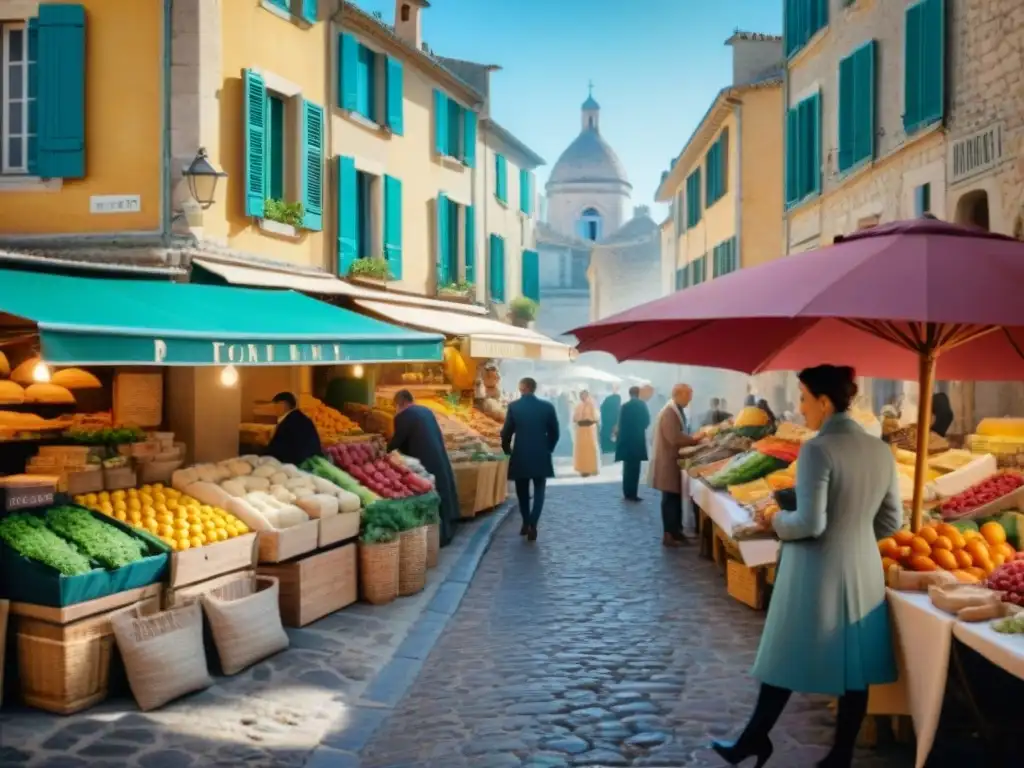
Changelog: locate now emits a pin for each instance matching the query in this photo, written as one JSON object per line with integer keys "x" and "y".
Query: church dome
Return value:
{"x": 588, "y": 159}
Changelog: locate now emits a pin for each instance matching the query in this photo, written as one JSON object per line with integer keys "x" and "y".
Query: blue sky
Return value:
{"x": 655, "y": 64}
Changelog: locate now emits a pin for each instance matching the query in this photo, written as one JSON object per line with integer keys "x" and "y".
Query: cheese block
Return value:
{"x": 1005, "y": 427}
{"x": 75, "y": 378}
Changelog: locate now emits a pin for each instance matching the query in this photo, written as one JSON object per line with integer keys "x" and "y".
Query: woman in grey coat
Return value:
{"x": 828, "y": 630}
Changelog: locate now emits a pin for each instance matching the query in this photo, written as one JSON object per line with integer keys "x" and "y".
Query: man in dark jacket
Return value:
{"x": 295, "y": 438}
{"x": 418, "y": 435}
{"x": 631, "y": 448}
{"x": 610, "y": 407}
{"x": 534, "y": 425}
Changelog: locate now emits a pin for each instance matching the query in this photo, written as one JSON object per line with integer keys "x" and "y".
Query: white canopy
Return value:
{"x": 586, "y": 373}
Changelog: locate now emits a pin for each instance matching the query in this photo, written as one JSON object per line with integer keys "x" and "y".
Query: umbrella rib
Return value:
{"x": 1016, "y": 347}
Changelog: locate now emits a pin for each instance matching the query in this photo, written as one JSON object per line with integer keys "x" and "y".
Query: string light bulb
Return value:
{"x": 41, "y": 373}
{"x": 357, "y": 371}
{"x": 229, "y": 376}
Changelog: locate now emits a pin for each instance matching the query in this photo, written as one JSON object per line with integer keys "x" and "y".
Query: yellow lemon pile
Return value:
{"x": 179, "y": 520}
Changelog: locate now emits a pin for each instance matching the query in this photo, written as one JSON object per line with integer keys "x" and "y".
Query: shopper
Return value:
{"x": 942, "y": 414}
{"x": 586, "y": 457}
{"x": 529, "y": 436}
{"x": 610, "y": 407}
{"x": 827, "y": 630}
{"x": 295, "y": 438}
{"x": 671, "y": 432}
{"x": 631, "y": 446}
{"x": 418, "y": 435}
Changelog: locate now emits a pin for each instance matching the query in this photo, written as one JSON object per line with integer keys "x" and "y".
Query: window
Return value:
{"x": 724, "y": 258}
{"x": 531, "y": 275}
{"x": 307, "y": 9}
{"x": 18, "y": 105}
{"x": 589, "y": 225}
{"x": 922, "y": 200}
{"x": 683, "y": 278}
{"x": 500, "y": 178}
{"x": 857, "y": 107}
{"x": 275, "y": 147}
{"x": 456, "y": 242}
{"x": 526, "y": 191}
{"x": 803, "y": 150}
{"x": 700, "y": 269}
{"x": 579, "y": 266}
{"x": 405, "y": 12}
{"x": 365, "y": 187}
{"x": 369, "y": 218}
{"x": 366, "y": 83}
{"x": 496, "y": 268}
{"x": 924, "y": 66}
{"x": 693, "y": 203}
{"x": 803, "y": 20}
{"x": 454, "y": 130}
{"x": 371, "y": 84}
{"x": 718, "y": 169}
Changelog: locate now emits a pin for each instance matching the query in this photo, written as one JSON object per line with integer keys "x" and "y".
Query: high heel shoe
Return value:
{"x": 736, "y": 752}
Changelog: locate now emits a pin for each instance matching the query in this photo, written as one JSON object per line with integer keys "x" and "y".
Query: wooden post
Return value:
{"x": 926, "y": 382}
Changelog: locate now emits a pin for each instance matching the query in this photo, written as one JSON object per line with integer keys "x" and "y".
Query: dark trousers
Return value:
{"x": 531, "y": 515}
{"x": 672, "y": 512}
{"x": 630, "y": 479}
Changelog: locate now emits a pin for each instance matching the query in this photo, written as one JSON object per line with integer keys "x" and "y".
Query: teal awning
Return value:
{"x": 91, "y": 321}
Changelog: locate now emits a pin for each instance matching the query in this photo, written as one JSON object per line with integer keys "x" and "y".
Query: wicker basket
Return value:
{"x": 433, "y": 544}
{"x": 378, "y": 571}
{"x": 412, "y": 561}
{"x": 64, "y": 676}
{"x": 245, "y": 618}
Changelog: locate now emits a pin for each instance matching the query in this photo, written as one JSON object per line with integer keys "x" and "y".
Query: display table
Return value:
{"x": 726, "y": 513}
{"x": 1005, "y": 651}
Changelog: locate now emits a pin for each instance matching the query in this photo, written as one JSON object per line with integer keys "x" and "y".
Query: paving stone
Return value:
{"x": 166, "y": 758}
{"x": 572, "y": 745}
{"x": 647, "y": 739}
{"x": 602, "y": 757}
{"x": 635, "y": 708}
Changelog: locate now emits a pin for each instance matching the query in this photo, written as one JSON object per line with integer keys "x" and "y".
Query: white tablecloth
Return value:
{"x": 1005, "y": 651}
{"x": 727, "y": 514}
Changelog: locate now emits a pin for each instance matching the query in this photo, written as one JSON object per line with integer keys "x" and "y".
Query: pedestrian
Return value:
{"x": 942, "y": 414}
{"x": 671, "y": 432}
{"x": 827, "y": 630}
{"x": 418, "y": 435}
{"x": 631, "y": 446}
{"x": 716, "y": 413}
{"x": 585, "y": 450}
{"x": 610, "y": 419}
{"x": 295, "y": 437}
{"x": 529, "y": 437}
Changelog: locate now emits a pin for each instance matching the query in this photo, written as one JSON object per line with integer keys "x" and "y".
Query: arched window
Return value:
{"x": 589, "y": 225}
{"x": 405, "y": 12}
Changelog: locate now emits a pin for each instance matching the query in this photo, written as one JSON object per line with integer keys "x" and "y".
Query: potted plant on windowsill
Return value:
{"x": 282, "y": 218}
{"x": 372, "y": 270}
{"x": 461, "y": 291}
{"x": 522, "y": 311}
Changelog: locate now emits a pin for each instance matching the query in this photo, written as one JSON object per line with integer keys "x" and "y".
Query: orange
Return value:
{"x": 993, "y": 533}
{"x": 904, "y": 554}
{"x": 978, "y": 573}
{"x": 963, "y": 558}
{"x": 977, "y": 549}
{"x": 1004, "y": 549}
{"x": 998, "y": 559}
{"x": 903, "y": 538}
{"x": 920, "y": 546}
{"x": 887, "y": 563}
{"x": 929, "y": 534}
{"x": 945, "y": 559}
{"x": 942, "y": 542}
{"x": 966, "y": 577}
{"x": 922, "y": 563}
{"x": 986, "y": 565}
{"x": 888, "y": 547}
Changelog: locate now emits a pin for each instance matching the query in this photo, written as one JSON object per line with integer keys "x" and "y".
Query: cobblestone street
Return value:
{"x": 594, "y": 646}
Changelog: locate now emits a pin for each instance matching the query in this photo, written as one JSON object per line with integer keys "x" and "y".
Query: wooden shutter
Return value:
{"x": 864, "y": 99}
{"x": 309, "y": 10}
{"x": 500, "y": 177}
{"x": 32, "y": 160}
{"x": 443, "y": 242}
{"x": 933, "y": 65}
{"x": 395, "y": 111}
{"x": 393, "y": 225}
{"x": 440, "y": 122}
{"x": 525, "y": 191}
{"x": 723, "y": 162}
{"x": 531, "y": 275}
{"x": 255, "y": 105}
{"x": 847, "y": 112}
{"x": 470, "y": 236}
{"x": 348, "y": 75}
{"x": 311, "y": 166}
{"x": 496, "y": 268}
{"x": 469, "y": 138}
{"x": 61, "y": 96}
{"x": 815, "y": 133}
{"x": 348, "y": 215}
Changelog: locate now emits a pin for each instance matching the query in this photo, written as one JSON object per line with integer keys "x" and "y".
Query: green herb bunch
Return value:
{"x": 107, "y": 545}
{"x": 28, "y": 536}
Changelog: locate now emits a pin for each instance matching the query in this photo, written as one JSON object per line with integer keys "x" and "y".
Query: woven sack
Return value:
{"x": 163, "y": 653}
{"x": 433, "y": 544}
{"x": 245, "y": 618}
{"x": 378, "y": 571}
{"x": 412, "y": 561}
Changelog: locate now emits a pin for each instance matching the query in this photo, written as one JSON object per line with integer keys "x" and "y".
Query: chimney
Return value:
{"x": 408, "y": 25}
{"x": 753, "y": 54}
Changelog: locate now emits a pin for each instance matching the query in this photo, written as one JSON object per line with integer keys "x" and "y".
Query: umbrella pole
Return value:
{"x": 926, "y": 383}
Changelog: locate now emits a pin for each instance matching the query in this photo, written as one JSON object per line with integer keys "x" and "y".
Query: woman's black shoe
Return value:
{"x": 524, "y": 530}
{"x": 736, "y": 752}
{"x": 531, "y": 534}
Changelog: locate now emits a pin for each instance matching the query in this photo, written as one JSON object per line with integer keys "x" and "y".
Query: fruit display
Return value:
{"x": 378, "y": 471}
{"x": 181, "y": 521}
{"x": 745, "y": 468}
{"x": 28, "y": 536}
{"x": 784, "y": 450}
{"x": 110, "y": 547}
{"x": 105, "y": 435}
{"x": 796, "y": 433}
{"x": 970, "y": 553}
{"x": 459, "y": 369}
{"x": 332, "y": 425}
{"x": 326, "y": 470}
{"x": 988, "y": 490}
{"x": 413, "y": 465}
{"x": 1009, "y": 580}
{"x": 1012, "y": 625}
{"x": 751, "y": 416}
{"x": 264, "y": 493}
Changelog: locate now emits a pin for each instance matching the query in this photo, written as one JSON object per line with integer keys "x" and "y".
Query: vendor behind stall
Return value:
{"x": 418, "y": 435}
{"x": 295, "y": 438}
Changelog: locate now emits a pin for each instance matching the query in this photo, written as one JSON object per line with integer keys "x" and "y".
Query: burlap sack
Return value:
{"x": 163, "y": 653}
{"x": 245, "y": 617}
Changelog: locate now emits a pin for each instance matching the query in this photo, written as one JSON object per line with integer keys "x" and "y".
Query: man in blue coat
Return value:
{"x": 533, "y": 424}
{"x": 631, "y": 448}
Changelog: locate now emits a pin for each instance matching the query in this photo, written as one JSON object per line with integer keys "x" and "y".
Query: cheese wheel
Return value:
{"x": 75, "y": 378}
{"x": 11, "y": 393}
{"x": 23, "y": 373}
{"x": 48, "y": 394}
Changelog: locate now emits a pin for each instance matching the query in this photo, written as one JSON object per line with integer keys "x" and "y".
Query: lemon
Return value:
{"x": 121, "y": 516}
{"x": 197, "y": 541}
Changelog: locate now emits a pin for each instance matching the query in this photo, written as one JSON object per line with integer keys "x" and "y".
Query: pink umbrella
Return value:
{"x": 914, "y": 299}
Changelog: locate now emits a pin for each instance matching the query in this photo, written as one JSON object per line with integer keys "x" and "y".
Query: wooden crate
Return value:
{"x": 501, "y": 483}
{"x": 201, "y": 564}
{"x": 317, "y": 585}
{"x": 485, "y": 486}
{"x": 745, "y": 584}
{"x": 65, "y": 667}
{"x": 337, "y": 528}
{"x": 175, "y": 596}
{"x": 278, "y": 546}
{"x": 769, "y": 575}
{"x": 467, "y": 476}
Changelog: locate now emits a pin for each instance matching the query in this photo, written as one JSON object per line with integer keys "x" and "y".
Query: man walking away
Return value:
{"x": 610, "y": 407}
{"x": 631, "y": 448}
{"x": 418, "y": 435}
{"x": 671, "y": 432}
{"x": 529, "y": 436}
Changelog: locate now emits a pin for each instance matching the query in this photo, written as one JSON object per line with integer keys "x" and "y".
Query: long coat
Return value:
{"x": 534, "y": 425}
{"x": 295, "y": 439}
{"x": 670, "y": 434}
{"x": 609, "y": 420}
{"x": 634, "y": 419}
{"x": 828, "y": 630}
{"x": 418, "y": 435}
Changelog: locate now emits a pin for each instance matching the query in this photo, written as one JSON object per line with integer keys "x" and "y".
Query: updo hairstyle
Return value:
{"x": 836, "y": 382}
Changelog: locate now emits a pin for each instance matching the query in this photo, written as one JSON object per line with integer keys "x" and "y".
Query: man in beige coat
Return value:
{"x": 670, "y": 434}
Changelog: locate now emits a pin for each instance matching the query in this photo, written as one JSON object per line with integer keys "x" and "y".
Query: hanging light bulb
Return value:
{"x": 357, "y": 371}
{"x": 229, "y": 376}
{"x": 41, "y": 373}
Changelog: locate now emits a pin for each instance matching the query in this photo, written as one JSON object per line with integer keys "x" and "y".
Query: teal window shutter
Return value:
{"x": 393, "y": 225}
{"x": 500, "y": 177}
{"x": 525, "y": 191}
{"x": 792, "y": 144}
{"x": 395, "y": 96}
{"x": 496, "y": 268}
{"x": 857, "y": 107}
{"x": 470, "y": 224}
{"x": 847, "y": 113}
{"x": 312, "y": 166}
{"x": 531, "y": 275}
{"x": 308, "y": 10}
{"x": 60, "y": 100}
{"x": 348, "y": 75}
{"x": 469, "y": 138}
{"x": 443, "y": 242}
{"x": 924, "y": 65}
{"x": 693, "y": 199}
{"x": 711, "y": 175}
{"x": 723, "y": 162}
{"x": 366, "y": 83}
{"x": 815, "y": 130}
{"x": 913, "y": 67}
{"x": 348, "y": 215}
{"x": 33, "y": 90}
{"x": 440, "y": 122}
{"x": 255, "y": 143}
